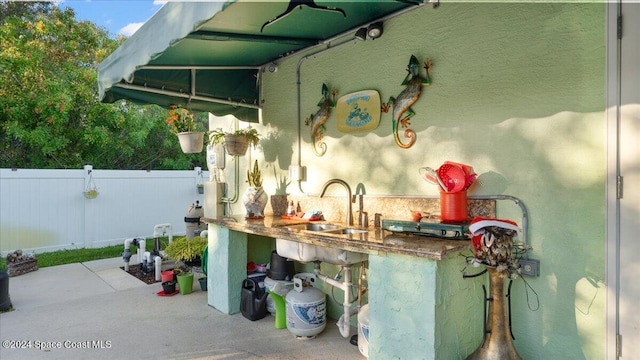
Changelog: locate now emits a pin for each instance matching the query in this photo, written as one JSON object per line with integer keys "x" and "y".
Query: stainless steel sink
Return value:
{"x": 347, "y": 231}
{"x": 314, "y": 227}
{"x": 339, "y": 256}
{"x": 304, "y": 252}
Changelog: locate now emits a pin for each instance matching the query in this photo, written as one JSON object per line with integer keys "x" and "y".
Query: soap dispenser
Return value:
{"x": 291, "y": 211}
{"x": 377, "y": 220}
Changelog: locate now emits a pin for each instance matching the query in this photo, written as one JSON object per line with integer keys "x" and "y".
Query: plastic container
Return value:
{"x": 169, "y": 287}
{"x": 5, "y": 300}
{"x": 185, "y": 283}
{"x": 280, "y": 268}
{"x": 363, "y": 330}
{"x": 203, "y": 283}
{"x": 253, "y": 300}
{"x": 166, "y": 275}
{"x": 453, "y": 207}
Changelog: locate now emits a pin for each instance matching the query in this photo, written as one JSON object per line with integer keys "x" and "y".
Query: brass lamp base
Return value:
{"x": 497, "y": 343}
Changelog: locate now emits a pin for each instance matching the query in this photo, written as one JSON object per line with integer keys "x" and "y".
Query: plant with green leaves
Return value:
{"x": 50, "y": 113}
{"x": 180, "y": 120}
{"x": 217, "y": 136}
{"x": 184, "y": 250}
{"x": 254, "y": 177}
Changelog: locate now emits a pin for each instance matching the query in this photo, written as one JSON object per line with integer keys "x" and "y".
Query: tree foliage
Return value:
{"x": 50, "y": 114}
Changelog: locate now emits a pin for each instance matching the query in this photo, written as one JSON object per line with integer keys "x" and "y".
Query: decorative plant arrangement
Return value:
{"x": 91, "y": 194}
{"x": 236, "y": 142}
{"x": 19, "y": 263}
{"x": 184, "y": 250}
{"x": 254, "y": 177}
{"x": 254, "y": 199}
{"x": 91, "y": 191}
{"x": 181, "y": 122}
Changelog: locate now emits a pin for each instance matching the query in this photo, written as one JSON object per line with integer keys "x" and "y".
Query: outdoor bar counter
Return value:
{"x": 415, "y": 285}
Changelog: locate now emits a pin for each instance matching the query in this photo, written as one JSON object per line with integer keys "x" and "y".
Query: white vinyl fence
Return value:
{"x": 46, "y": 210}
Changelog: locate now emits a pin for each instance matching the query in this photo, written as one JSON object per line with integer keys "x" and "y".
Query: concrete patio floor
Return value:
{"x": 94, "y": 310}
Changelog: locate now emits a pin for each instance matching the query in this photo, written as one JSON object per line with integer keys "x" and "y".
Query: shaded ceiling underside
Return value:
{"x": 209, "y": 56}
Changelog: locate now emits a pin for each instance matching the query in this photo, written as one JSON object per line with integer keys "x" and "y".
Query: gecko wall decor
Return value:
{"x": 402, "y": 111}
{"x": 317, "y": 120}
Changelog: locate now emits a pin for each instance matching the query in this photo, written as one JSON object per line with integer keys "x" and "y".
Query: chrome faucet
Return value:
{"x": 350, "y": 198}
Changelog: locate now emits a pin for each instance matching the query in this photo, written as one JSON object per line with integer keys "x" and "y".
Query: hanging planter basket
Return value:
{"x": 91, "y": 194}
{"x": 236, "y": 145}
{"x": 191, "y": 142}
{"x": 91, "y": 191}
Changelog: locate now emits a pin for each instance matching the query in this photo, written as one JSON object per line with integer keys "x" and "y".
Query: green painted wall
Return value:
{"x": 458, "y": 309}
{"x": 518, "y": 92}
{"x": 259, "y": 248}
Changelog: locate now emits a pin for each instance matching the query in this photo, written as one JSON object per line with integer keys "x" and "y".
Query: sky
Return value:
{"x": 118, "y": 17}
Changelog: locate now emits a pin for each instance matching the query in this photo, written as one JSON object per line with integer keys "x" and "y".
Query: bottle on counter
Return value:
{"x": 298, "y": 209}
{"x": 291, "y": 211}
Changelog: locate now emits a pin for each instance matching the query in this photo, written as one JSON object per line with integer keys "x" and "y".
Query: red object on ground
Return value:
{"x": 162, "y": 293}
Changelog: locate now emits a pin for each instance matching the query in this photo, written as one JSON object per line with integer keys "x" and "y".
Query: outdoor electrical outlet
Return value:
{"x": 529, "y": 267}
{"x": 297, "y": 173}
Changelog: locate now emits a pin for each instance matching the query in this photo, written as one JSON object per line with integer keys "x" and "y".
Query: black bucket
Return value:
{"x": 253, "y": 302}
{"x": 280, "y": 268}
{"x": 5, "y": 301}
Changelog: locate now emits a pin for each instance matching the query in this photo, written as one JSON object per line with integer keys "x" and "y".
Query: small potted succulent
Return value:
{"x": 236, "y": 142}
{"x": 255, "y": 199}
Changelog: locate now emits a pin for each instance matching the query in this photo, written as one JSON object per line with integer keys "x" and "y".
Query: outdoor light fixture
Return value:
{"x": 375, "y": 30}
{"x": 361, "y": 34}
{"x": 272, "y": 67}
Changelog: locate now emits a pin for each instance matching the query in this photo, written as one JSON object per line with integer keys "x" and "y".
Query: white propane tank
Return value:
{"x": 192, "y": 220}
{"x": 306, "y": 307}
{"x": 363, "y": 330}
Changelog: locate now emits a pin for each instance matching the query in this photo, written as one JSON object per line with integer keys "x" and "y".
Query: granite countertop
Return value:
{"x": 373, "y": 241}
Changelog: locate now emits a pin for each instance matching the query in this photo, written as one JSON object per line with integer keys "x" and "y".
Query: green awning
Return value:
{"x": 209, "y": 56}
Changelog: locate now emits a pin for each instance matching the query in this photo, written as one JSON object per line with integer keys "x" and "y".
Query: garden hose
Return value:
{"x": 204, "y": 259}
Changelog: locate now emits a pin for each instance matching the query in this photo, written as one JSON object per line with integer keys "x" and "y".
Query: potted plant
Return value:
{"x": 255, "y": 199}
{"x": 181, "y": 123}
{"x": 185, "y": 251}
{"x": 279, "y": 200}
{"x": 236, "y": 142}
{"x": 91, "y": 191}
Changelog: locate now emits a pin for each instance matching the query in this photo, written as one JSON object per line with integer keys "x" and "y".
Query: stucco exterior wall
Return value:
{"x": 518, "y": 92}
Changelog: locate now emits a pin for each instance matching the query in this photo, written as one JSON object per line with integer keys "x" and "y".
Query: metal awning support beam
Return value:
{"x": 223, "y": 36}
{"x": 196, "y": 67}
{"x": 184, "y": 95}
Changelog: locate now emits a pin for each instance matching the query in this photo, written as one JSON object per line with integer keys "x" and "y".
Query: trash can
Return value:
{"x": 5, "y": 301}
